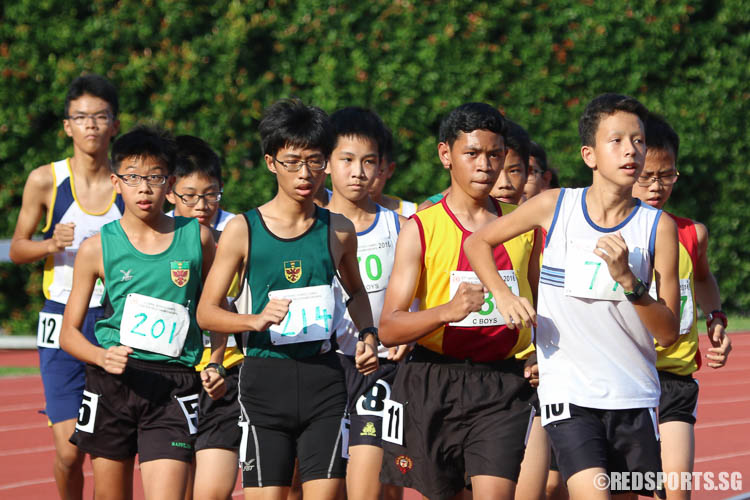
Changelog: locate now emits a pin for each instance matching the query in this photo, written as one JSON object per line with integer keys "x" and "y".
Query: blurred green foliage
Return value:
{"x": 209, "y": 68}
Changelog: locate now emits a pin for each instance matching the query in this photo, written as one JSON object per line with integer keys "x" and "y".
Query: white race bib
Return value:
{"x": 87, "y": 412}
{"x": 587, "y": 275}
{"x": 686, "y": 304}
{"x": 309, "y": 318}
{"x": 373, "y": 401}
{"x": 488, "y": 315}
{"x": 555, "y": 412}
{"x": 48, "y": 330}
{"x": 376, "y": 263}
{"x": 392, "y": 429}
{"x": 154, "y": 325}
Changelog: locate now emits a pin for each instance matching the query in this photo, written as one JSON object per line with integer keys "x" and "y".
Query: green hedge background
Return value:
{"x": 210, "y": 67}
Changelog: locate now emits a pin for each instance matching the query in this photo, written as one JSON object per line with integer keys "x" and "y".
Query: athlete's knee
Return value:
{"x": 69, "y": 457}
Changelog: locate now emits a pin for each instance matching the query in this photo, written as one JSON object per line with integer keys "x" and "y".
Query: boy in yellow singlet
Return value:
{"x": 677, "y": 363}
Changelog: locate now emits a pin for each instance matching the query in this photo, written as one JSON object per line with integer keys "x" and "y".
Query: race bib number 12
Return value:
{"x": 48, "y": 330}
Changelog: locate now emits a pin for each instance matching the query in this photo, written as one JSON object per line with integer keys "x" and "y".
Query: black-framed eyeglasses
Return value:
{"x": 134, "y": 180}
{"x": 316, "y": 164}
{"x": 664, "y": 180}
{"x": 191, "y": 199}
{"x": 102, "y": 118}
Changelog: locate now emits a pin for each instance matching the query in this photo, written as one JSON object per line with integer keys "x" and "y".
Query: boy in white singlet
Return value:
{"x": 596, "y": 323}
{"x": 355, "y": 164}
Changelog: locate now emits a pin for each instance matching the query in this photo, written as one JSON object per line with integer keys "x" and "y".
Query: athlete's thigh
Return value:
{"x": 215, "y": 473}
{"x": 164, "y": 479}
{"x": 535, "y": 466}
{"x": 113, "y": 479}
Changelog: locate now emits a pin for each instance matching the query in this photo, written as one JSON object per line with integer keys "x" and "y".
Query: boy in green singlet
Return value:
{"x": 141, "y": 392}
{"x": 292, "y": 392}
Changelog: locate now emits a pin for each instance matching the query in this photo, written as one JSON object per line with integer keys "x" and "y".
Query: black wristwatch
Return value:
{"x": 638, "y": 292}
{"x": 219, "y": 368}
{"x": 365, "y": 331}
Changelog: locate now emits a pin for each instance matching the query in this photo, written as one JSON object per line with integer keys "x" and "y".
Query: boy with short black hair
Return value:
{"x": 677, "y": 363}
{"x": 292, "y": 390}
{"x": 540, "y": 174}
{"x": 354, "y": 166}
{"x": 387, "y": 167}
{"x": 196, "y": 193}
{"x": 459, "y": 406}
{"x": 141, "y": 391}
{"x": 596, "y": 322}
{"x": 76, "y": 197}
{"x": 512, "y": 179}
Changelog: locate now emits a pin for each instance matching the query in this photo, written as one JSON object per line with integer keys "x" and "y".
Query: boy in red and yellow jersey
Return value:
{"x": 460, "y": 405}
{"x": 676, "y": 363}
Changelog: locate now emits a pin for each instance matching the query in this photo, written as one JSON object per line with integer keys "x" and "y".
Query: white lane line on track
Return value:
{"x": 722, "y": 457}
{"x": 26, "y": 451}
{"x": 20, "y": 393}
{"x": 723, "y": 383}
{"x": 34, "y": 482}
{"x": 725, "y": 400}
{"x": 22, "y": 407}
{"x": 722, "y": 423}
{"x": 11, "y": 428}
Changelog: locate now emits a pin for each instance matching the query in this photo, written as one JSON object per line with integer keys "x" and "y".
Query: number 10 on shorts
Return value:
{"x": 393, "y": 422}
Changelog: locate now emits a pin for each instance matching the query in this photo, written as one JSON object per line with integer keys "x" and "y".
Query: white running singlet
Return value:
{"x": 594, "y": 351}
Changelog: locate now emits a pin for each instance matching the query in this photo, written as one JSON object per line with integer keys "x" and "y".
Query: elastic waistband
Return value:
{"x": 665, "y": 375}
{"x": 52, "y": 307}
{"x": 158, "y": 366}
{"x": 318, "y": 359}
{"x": 421, "y": 354}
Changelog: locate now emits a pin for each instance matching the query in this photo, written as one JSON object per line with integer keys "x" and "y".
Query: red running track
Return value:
{"x": 722, "y": 431}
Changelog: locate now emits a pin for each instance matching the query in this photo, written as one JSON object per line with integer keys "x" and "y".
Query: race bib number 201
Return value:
{"x": 154, "y": 325}
{"x": 309, "y": 318}
{"x": 488, "y": 315}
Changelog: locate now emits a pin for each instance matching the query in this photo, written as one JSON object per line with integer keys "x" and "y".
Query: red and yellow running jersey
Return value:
{"x": 442, "y": 237}
{"x": 681, "y": 357}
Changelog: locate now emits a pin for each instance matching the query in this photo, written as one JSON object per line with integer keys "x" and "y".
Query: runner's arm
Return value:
{"x": 708, "y": 297}
{"x": 661, "y": 317}
{"x": 231, "y": 255}
{"x": 34, "y": 204}
{"x": 535, "y": 213}
{"x": 397, "y": 324}
{"x": 87, "y": 268}
{"x": 345, "y": 236}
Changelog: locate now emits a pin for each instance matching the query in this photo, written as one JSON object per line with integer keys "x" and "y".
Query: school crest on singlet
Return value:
{"x": 180, "y": 272}
{"x": 293, "y": 270}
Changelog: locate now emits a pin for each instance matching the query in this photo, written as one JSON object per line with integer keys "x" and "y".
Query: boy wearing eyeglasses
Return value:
{"x": 75, "y": 198}
{"x": 197, "y": 193}
{"x": 292, "y": 389}
{"x": 677, "y": 363}
{"x": 141, "y": 394}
